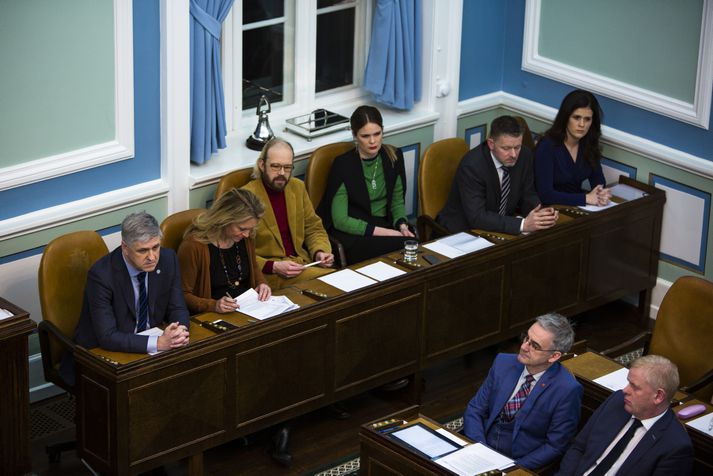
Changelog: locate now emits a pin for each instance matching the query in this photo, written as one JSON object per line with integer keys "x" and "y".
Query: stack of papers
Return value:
{"x": 250, "y": 305}
{"x": 347, "y": 280}
{"x": 626, "y": 192}
{"x": 4, "y": 313}
{"x": 474, "y": 459}
{"x": 615, "y": 380}
{"x": 380, "y": 271}
{"x": 458, "y": 245}
{"x": 703, "y": 423}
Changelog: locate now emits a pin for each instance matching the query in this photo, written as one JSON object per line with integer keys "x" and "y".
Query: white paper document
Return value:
{"x": 458, "y": 245}
{"x": 4, "y": 313}
{"x": 474, "y": 459}
{"x": 597, "y": 208}
{"x": 154, "y": 331}
{"x": 703, "y": 423}
{"x": 347, "y": 280}
{"x": 380, "y": 271}
{"x": 615, "y": 380}
{"x": 424, "y": 440}
{"x": 253, "y": 307}
{"x": 626, "y": 192}
{"x": 452, "y": 437}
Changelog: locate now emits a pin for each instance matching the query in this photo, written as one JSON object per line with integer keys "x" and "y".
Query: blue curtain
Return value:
{"x": 207, "y": 110}
{"x": 393, "y": 69}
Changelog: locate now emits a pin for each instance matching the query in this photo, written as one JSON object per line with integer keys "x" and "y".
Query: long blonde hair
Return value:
{"x": 234, "y": 206}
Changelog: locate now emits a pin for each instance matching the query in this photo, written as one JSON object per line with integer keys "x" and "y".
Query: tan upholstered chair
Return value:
{"x": 62, "y": 277}
{"x": 318, "y": 167}
{"x": 173, "y": 226}
{"x": 235, "y": 179}
{"x": 683, "y": 333}
{"x": 435, "y": 177}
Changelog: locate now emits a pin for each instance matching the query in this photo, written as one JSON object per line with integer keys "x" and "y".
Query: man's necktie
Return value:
{"x": 504, "y": 190}
{"x": 142, "y": 314}
{"x": 514, "y": 404}
{"x": 616, "y": 452}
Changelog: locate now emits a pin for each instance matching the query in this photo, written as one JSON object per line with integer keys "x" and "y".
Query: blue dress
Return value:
{"x": 559, "y": 179}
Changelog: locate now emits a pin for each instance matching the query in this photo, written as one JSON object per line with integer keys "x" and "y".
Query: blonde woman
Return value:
{"x": 217, "y": 254}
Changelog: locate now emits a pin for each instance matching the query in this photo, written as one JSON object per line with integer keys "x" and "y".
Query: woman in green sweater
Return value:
{"x": 363, "y": 206}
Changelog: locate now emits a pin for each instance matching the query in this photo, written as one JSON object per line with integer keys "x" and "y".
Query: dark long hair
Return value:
{"x": 364, "y": 115}
{"x": 590, "y": 142}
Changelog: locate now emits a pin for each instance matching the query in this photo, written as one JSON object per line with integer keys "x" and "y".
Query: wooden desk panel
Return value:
{"x": 269, "y": 371}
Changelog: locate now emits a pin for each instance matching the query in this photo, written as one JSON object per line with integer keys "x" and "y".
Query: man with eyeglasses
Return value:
{"x": 290, "y": 234}
{"x": 528, "y": 406}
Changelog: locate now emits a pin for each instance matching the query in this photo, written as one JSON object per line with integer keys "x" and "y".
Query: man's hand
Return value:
{"x": 175, "y": 335}
{"x": 287, "y": 269}
{"x": 263, "y": 292}
{"x": 540, "y": 219}
{"x": 326, "y": 259}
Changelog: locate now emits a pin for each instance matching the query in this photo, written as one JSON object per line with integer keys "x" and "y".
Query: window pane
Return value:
{"x": 263, "y": 59}
{"x": 258, "y": 10}
{"x": 335, "y": 49}
{"x": 329, "y": 3}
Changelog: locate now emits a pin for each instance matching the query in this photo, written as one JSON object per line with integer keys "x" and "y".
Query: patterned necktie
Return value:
{"x": 142, "y": 316}
{"x": 514, "y": 404}
{"x": 616, "y": 452}
{"x": 504, "y": 190}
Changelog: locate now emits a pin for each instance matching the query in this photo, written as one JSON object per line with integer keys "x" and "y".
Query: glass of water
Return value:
{"x": 410, "y": 250}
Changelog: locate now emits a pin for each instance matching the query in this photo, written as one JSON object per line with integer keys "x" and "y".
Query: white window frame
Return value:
{"x": 121, "y": 147}
{"x": 304, "y": 98}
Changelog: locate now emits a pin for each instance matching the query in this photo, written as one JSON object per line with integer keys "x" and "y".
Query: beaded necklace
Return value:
{"x": 234, "y": 284}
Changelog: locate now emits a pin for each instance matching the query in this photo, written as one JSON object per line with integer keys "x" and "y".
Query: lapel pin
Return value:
{"x": 158, "y": 271}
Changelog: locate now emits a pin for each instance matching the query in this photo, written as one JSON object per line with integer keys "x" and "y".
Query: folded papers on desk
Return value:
{"x": 253, "y": 307}
{"x": 703, "y": 424}
{"x": 458, "y": 245}
{"x": 614, "y": 380}
{"x": 347, "y": 280}
{"x": 626, "y": 192}
{"x": 380, "y": 271}
{"x": 4, "y": 313}
{"x": 474, "y": 459}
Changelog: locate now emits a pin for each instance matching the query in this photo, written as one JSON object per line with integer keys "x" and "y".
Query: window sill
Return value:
{"x": 238, "y": 156}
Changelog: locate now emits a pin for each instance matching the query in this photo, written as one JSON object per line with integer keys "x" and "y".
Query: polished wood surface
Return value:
{"x": 138, "y": 412}
{"x": 14, "y": 391}
{"x": 382, "y": 456}
{"x": 589, "y": 366}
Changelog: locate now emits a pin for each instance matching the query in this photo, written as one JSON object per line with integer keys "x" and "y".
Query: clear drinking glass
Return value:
{"x": 410, "y": 250}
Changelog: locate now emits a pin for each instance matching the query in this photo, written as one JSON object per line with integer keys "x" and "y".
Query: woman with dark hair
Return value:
{"x": 363, "y": 206}
{"x": 570, "y": 153}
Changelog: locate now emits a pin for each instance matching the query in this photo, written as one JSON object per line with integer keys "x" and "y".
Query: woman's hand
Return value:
{"x": 381, "y": 231}
{"x": 404, "y": 230}
{"x": 599, "y": 196}
{"x": 263, "y": 292}
{"x": 226, "y": 304}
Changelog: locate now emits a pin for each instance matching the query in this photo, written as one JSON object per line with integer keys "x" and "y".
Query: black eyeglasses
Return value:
{"x": 525, "y": 338}
{"x": 278, "y": 167}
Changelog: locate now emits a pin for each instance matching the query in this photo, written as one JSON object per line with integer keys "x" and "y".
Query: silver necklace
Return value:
{"x": 373, "y": 175}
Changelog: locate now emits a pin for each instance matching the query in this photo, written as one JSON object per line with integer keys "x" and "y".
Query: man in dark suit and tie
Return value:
{"x": 493, "y": 183}
{"x": 529, "y": 405}
{"x": 134, "y": 288}
{"x": 634, "y": 432}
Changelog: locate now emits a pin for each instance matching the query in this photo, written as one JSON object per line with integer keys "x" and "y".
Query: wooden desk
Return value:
{"x": 590, "y": 365}
{"x": 382, "y": 456}
{"x": 137, "y": 412}
{"x": 14, "y": 391}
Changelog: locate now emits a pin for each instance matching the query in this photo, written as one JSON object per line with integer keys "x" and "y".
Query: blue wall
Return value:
{"x": 145, "y": 166}
{"x": 491, "y": 28}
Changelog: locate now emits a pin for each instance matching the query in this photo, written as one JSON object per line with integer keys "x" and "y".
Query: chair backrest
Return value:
{"x": 435, "y": 174}
{"x": 235, "y": 179}
{"x": 683, "y": 330}
{"x": 62, "y": 277}
{"x": 318, "y": 167}
{"x": 173, "y": 227}
{"x": 526, "y": 133}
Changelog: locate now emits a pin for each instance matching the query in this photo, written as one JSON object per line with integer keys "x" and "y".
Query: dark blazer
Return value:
{"x": 666, "y": 448}
{"x": 474, "y": 199}
{"x": 346, "y": 169}
{"x": 547, "y": 420}
{"x": 108, "y": 316}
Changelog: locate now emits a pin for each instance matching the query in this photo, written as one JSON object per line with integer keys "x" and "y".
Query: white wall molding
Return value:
{"x": 614, "y": 137}
{"x": 82, "y": 209}
{"x": 121, "y": 147}
{"x": 696, "y": 113}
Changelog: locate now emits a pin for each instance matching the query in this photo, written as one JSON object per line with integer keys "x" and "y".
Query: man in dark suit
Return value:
{"x": 493, "y": 183}
{"x": 634, "y": 432}
{"x": 528, "y": 407}
{"x": 134, "y": 288}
